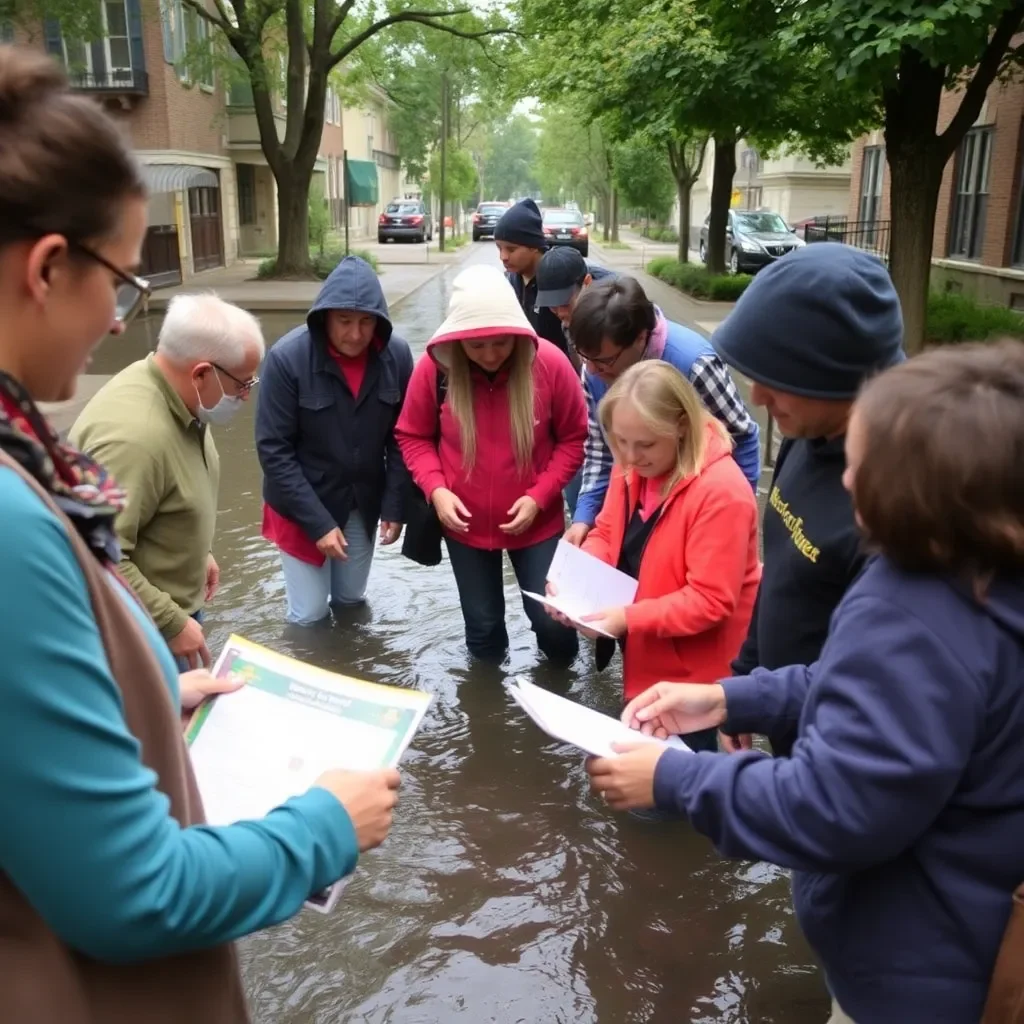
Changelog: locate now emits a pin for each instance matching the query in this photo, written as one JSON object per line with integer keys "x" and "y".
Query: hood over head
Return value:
{"x": 483, "y": 305}
{"x": 351, "y": 285}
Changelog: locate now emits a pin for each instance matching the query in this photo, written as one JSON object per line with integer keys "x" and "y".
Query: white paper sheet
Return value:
{"x": 255, "y": 748}
{"x": 572, "y": 723}
{"x": 585, "y": 586}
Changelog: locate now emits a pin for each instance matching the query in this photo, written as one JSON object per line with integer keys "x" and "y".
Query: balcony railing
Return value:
{"x": 122, "y": 82}
{"x": 872, "y": 236}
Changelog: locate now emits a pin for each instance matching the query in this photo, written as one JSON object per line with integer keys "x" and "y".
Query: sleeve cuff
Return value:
{"x": 330, "y": 822}
{"x": 672, "y": 776}
{"x": 744, "y": 710}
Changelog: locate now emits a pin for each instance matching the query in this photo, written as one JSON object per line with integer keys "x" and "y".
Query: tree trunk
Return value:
{"x": 721, "y": 197}
{"x": 293, "y": 223}
{"x": 615, "y": 215}
{"x": 915, "y": 177}
{"x": 606, "y": 216}
{"x": 683, "y": 188}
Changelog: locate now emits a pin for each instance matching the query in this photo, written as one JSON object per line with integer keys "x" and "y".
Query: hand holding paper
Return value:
{"x": 626, "y": 781}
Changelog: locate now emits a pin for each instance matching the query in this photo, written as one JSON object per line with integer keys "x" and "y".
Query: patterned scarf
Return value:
{"x": 83, "y": 490}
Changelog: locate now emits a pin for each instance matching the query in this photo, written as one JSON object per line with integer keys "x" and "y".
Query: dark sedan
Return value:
{"x": 406, "y": 220}
{"x": 486, "y": 218}
{"x": 753, "y": 239}
{"x": 567, "y": 227}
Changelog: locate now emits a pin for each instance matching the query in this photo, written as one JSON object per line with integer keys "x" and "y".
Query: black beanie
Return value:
{"x": 522, "y": 225}
{"x": 816, "y": 323}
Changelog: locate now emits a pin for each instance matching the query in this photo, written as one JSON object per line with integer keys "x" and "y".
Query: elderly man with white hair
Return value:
{"x": 149, "y": 425}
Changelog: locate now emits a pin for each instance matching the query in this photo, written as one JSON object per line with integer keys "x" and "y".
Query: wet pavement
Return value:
{"x": 505, "y": 893}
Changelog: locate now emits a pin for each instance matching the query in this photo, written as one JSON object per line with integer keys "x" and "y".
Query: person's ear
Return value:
{"x": 43, "y": 257}
{"x": 588, "y": 281}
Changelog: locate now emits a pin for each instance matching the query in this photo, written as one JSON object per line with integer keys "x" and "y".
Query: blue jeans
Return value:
{"x": 478, "y": 575}
{"x": 310, "y": 590}
{"x": 572, "y": 492}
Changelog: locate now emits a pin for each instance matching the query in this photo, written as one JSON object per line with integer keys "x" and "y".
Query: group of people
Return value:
{"x": 879, "y": 647}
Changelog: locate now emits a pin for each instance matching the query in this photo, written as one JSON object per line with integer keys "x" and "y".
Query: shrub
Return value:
{"x": 696, "y": 281}
{"x": 322, "y": 263}
{"x": 956, "y": 318}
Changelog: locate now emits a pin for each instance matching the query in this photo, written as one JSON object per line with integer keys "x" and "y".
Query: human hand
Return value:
{"x": 576, "y": 534}
{"x": 610, "y": 620}
{"x": 668, "y": 709}
{"x": 390, "y": 532}
{"x": 626, "y": 780}
{"x": 523, "y": 513}
{"x": 333, "y": 544}
{"x": 190, "y": 644}
{"x": 212, "y": 577}
{"x": 369, "y": 798}
{"x": 197, "y": 684}
{"x": 453, "y": 514}
{"x": 735, "y": 744}
{"x": 552, "y": 591}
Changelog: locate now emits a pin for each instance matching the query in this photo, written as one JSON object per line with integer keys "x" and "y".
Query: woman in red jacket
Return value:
{"x": 512, "y": 426}
{"x": 679, "y": 517}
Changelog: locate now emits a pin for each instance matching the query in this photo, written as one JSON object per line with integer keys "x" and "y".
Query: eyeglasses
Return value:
{"x": 132, "y": 292}
{"x": 607, "y": 362}
{"x": 244, "y": 386}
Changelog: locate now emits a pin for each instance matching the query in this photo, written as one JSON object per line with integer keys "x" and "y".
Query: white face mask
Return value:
{"x": 222, "y": 412}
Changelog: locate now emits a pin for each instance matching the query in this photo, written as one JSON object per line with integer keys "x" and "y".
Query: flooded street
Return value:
{"x": 505, "y": 893}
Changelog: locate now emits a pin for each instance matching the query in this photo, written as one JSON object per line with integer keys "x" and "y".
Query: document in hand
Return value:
{"x": 572, "y": 723}
{"x": 253, "y": 749}
{"x": 585, "y": 585}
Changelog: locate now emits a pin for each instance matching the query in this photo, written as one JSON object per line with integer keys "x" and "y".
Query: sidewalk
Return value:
{"x": 701, "y": 316}
{"x": 403, "y": 269}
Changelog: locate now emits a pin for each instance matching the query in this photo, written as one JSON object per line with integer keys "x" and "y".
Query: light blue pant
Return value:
{"x": 311, "y": 590}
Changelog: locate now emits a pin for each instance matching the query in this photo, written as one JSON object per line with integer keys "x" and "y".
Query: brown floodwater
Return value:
{"x": 505, "y": 893}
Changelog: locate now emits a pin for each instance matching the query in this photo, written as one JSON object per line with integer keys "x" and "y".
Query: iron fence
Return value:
{"x": 872, "y": 236}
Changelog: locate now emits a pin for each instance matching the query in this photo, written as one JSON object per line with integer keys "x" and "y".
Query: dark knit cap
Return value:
{"x": 522, "y": 224}
{"x": 816, "y": 323}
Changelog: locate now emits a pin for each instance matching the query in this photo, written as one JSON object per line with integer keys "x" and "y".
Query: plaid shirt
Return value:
{"x": 713, "y": 382}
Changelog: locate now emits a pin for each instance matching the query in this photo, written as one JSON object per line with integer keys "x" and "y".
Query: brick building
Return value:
{"x": 978, "y": 243}
{"x": 212, "y": 196}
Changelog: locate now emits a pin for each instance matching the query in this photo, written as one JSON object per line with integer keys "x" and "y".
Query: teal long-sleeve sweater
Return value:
{"x": 86, "y": 835}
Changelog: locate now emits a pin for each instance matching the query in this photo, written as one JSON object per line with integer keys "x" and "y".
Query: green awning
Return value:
{"x": 361, "y": 185}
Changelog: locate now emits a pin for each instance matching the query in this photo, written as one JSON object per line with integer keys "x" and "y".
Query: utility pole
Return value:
{"x": 444, "y": 149}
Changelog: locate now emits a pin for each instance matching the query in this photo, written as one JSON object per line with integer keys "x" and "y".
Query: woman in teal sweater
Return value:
{"x": 91, "y": 853}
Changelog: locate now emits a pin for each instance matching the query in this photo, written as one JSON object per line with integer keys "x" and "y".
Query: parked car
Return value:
{"x": 486, "y": 217}
{"x": 405, "y": 220}
{"x": 567, "y": 227}
{"x": 753, "y": 239}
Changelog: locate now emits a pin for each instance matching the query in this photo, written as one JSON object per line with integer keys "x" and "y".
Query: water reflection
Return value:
{"x": 505, "y": 893}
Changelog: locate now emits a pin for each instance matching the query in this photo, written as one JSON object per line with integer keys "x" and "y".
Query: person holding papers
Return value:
{"x": 900, "y": 810}
{"x": 117, "y": 903}
{"x": 494, "y": 458}
{"x": 679, "y": 517}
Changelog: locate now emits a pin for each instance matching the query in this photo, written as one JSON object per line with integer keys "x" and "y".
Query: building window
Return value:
{"x": 118, "y": 46}
{"x": 1017, "y": 257}
{"x": 246, "y": 195}
{"x": 871, "y": 172}
{"x": 970, "y": 199}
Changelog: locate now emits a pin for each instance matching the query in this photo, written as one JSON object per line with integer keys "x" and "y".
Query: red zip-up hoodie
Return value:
{"x": 494, "y": 483}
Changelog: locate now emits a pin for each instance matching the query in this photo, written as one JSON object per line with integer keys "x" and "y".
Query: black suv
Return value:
{"x": 753, "y": 239}
{"x": 405, "y": 220}
{"x": 486, "y": 218}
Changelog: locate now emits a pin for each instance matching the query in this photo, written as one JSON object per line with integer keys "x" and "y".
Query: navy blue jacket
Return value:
{"x": 901, "y": 809}
{"x": 325, "y": 451}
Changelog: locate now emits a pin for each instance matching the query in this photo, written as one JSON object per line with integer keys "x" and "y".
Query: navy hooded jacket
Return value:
{"x": 901, "y": 809}
{"x": 323, "y": 450}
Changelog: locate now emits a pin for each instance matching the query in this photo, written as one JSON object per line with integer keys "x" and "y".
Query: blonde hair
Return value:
{"x": 520, "y": 402}
{"x": 665, "y": 400}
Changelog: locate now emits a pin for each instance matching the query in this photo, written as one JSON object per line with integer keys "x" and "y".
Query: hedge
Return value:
{"x": 322, "y": 264}
{"x": 697, "y": 281}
